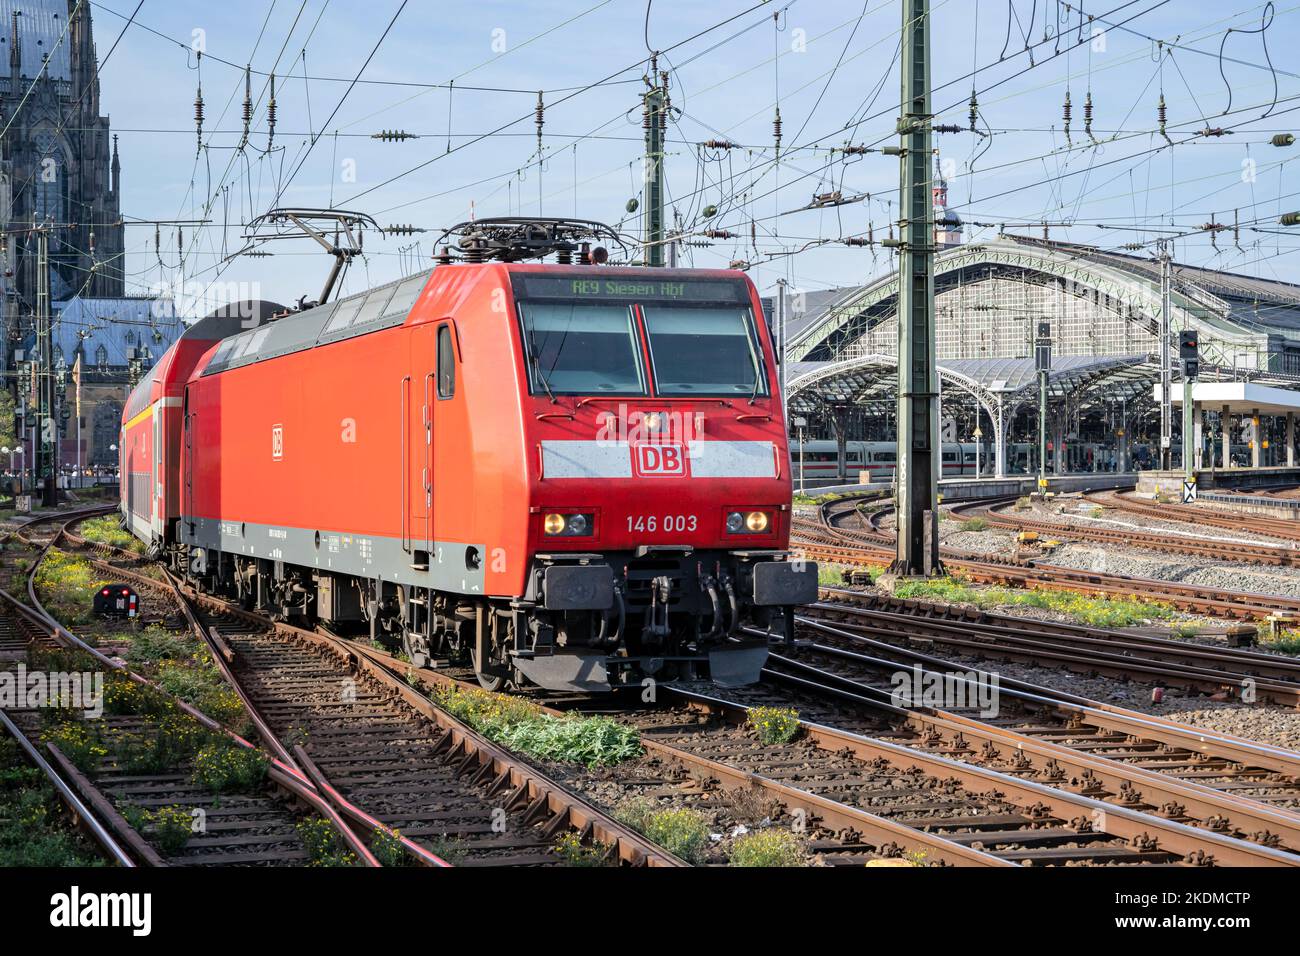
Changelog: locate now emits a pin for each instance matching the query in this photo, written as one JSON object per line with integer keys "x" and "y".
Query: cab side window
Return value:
{"x": 446, "y": 363}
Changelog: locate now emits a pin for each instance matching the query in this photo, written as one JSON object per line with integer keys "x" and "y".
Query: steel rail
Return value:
{"x": 1063, "y": 766}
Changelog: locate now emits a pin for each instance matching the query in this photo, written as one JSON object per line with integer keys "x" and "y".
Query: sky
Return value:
{"x": 830, "y": 65}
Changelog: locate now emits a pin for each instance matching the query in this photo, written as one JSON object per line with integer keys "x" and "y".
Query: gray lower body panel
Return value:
{"x": 365, "y": 556}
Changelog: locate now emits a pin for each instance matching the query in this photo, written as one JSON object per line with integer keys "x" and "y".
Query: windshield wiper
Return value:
{"x": 537, "y": 366}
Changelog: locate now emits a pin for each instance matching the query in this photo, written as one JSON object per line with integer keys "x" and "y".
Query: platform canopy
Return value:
{"x": 1240, "y": 398}
{"x": 994, "y": 383}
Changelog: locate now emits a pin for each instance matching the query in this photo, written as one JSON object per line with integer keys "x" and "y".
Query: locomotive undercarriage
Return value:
{"x": 587, "y": 622}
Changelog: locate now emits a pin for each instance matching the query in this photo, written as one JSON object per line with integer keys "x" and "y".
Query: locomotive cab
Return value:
{"x": 660, "y": 497}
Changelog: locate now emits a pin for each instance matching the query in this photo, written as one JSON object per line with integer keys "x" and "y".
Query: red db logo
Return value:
{"x": 655, "y": 460}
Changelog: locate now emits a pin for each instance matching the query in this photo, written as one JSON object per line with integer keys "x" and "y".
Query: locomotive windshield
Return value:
{"x": 580, "y": 349}
{"x": 702, "y": 351}
{"x": 584, "y": 336}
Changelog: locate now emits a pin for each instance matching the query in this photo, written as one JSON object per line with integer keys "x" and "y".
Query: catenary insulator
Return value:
{"x": 974, "y": 109}
{"x": 248, "y": 104}
{"x": 1283, "y": 139}
{"x": 1087, "y": 114}
{"x": 776, "y": 128}
{"x": 270, "y": 115}
{"x": 1290, "y": 219}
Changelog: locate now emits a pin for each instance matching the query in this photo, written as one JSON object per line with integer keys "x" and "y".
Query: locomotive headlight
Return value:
{"x": 756, "y": 522}
{"x": 568, "y": 525}
{"x": 735, "y": 522}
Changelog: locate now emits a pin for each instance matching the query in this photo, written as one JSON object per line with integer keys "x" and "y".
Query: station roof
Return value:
{"x": 1008, "y": 381}
{"x": 1241, "y": 398}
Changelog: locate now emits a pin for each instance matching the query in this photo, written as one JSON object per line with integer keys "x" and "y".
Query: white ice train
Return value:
{"x": 820, "y": 459}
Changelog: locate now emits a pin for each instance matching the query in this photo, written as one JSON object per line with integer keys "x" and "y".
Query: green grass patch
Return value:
{"x": 517, "y": 724}
{"x": 577, "y": 853}
{"x": 225, "y": 767}
{"x": 768, "y": 847}
{"x": 681, "y": 831}
{"x": 975, "y": 524}
{"x": 35, "y": 828}
{"x": 774, "y": 725}
{"x": 1091, "y": 611}
{"x": 106, "y": 530}
{"x": 324, "y": 845}
{"x": 79, "y": 741}
{"x": 67, "y": 584}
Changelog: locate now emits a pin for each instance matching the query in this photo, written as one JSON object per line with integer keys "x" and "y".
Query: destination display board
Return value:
{"x": 628, "y": 288}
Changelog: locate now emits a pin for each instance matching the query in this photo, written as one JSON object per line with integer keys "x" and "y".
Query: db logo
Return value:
{"x": 659, "y": 460}
{"x": 277, "y": 442}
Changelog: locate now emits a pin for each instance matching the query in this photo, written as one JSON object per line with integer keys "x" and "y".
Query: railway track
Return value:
{"x": 1201, "y": 515}
{"x": 828, "y": 539}
{"x": 854, "y": 768}
{"x": 256, "y": 827}
{"x": 866, "y": 796}
{"x": 1198, "y": 546}
{"x": 358, "y": 734}
{"x": 1231, "y": 672}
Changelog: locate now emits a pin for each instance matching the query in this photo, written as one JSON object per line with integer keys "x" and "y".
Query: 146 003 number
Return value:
{"x": 651, "y": 523}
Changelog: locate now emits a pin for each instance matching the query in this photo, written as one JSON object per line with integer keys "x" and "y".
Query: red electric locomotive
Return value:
{"x": 572, "y": 475}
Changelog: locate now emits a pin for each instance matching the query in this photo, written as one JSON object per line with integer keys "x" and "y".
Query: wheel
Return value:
{"x": 492, "y": 682}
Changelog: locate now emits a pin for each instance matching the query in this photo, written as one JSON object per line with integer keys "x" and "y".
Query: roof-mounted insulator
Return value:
{"x": 270, "y": 116}
{"x": 443, "y": 256}
{"x": 248, "y": 105}
{"x": 776, "y": 129}
{"x": 1283, "y": 139}
{"x": 1087, "y": 115}
{"x": 1162, "y": 117}
{"x": 1132, "y": 247}
{"x": 719, "y": 144}
{"x": 394, "y": 135}
{"x": 1066, "y": 112}
{"x": 974, "y": 105}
